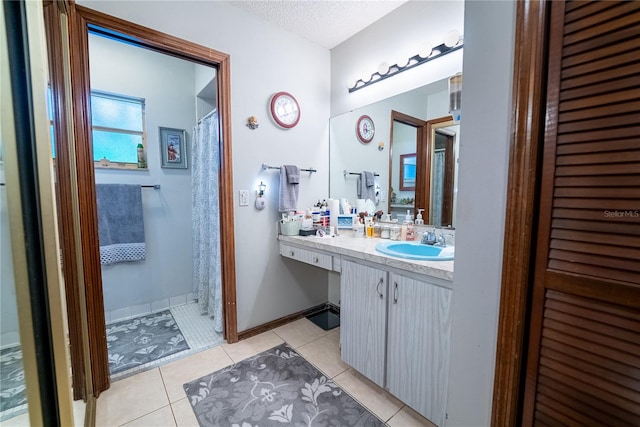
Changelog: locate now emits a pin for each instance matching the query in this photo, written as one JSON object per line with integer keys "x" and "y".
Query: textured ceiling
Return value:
{"x": 324, "y": 22}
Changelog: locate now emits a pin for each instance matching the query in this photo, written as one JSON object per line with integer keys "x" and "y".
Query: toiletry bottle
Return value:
{"x": 394, "y": 232}
{"x": 419, "y": 220}
{"x": 369, "y": 225}
{"x": 410, "y": 232}
{"x": 142, "y": 162}
{"x": 405, "y": 223}
{"x": 377, "y": 229}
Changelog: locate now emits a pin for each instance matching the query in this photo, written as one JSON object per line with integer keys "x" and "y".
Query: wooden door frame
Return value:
{"x": 421, "y": 153}
{"x": 449, "y": 179}
{"x": 53, "y": 11}
{"x": 527, "y": 124}
{"x": 425, "y": 156}
{"x": 81, "y": 19}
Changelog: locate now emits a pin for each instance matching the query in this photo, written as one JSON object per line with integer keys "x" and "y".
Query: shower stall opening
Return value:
{"x": 156, "y": 133}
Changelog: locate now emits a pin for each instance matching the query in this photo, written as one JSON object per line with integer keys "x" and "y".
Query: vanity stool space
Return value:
{"x": 395, "y": 317}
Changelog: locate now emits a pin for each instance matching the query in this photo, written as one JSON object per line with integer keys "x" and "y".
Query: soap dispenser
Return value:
{"x": 419, "y": 220}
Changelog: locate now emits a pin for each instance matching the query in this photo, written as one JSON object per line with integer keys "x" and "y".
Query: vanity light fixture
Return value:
{"x": 452, "y": 41}
{"x": 261, "y": 189}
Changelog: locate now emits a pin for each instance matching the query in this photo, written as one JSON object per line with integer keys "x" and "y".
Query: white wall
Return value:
{"x": 167, "y": 85}
{"x": 399, "y": 34}
{"x": 484, "y": 148}
{"x": 264, "y": 60}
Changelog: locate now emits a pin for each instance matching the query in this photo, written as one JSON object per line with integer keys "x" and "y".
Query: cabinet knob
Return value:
{"x": 291, "y": 253}
{"x": 316, "y": 260}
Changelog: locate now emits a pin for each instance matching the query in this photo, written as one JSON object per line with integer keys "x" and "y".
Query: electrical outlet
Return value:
{"x": 383, "y": 196}
{"x": 243, "y": 197}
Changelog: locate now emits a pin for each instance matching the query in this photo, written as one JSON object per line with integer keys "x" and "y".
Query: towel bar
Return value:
{"x": 265, "y": 167}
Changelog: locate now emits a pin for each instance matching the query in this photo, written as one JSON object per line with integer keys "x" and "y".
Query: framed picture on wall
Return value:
{"x": 173, "y": 148}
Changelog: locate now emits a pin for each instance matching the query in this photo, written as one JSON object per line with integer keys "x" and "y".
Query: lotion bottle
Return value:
{"x": 419, "y": 220}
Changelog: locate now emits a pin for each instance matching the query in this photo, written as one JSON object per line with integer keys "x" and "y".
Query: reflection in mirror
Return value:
{"x": 443, "y": 174}
{"x": 408, "y": 172}
{"x": 13, "y": 396}
{"x": 403, "y": 165}
{"x": 347, "y": 153}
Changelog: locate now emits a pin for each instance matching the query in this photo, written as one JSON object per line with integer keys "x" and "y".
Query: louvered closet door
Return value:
{"x": 583, "y": 365}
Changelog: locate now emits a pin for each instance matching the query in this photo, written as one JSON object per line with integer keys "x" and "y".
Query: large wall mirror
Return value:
{"x": 414, "y": 154}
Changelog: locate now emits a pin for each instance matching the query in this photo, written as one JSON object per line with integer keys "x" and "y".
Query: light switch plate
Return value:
{"x": 243, "y": 197}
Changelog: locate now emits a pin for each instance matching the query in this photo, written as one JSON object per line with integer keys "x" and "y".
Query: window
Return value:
{"x": 118, "y": 130}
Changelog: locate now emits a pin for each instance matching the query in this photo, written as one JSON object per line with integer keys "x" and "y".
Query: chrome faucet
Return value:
{"x": 442, "y": 241}
{"x": 428, "y": 237}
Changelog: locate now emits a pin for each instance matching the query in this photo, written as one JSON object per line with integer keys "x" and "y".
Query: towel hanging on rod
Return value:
{"x": 345, "y": 173}
{"x": 265, "y": 167}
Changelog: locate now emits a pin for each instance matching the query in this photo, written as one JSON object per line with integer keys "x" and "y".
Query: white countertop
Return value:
{"x": 364, "y": 248}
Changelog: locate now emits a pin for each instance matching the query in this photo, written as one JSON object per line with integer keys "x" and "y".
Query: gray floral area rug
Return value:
{"x": 144, "y": 339}
{"x": 275, "y": 388}
{"x": 12, "y": 388}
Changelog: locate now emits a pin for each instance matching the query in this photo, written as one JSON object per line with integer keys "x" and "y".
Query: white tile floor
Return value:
{"x": 197, "y": 330}
{"x": 156, "y": 398}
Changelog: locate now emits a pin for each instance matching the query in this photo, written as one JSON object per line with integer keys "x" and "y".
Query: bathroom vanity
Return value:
{"x": 395, "y": 316}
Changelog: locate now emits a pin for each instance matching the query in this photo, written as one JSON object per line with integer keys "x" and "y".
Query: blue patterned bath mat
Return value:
{"x": 277, "y": 387}
{"x": 144, "y": 339}
{"x": 13, "y": 393}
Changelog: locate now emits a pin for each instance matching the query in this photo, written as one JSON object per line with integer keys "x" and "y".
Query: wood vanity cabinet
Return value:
{"x": 396, "y": 330}
{"x": 363, "y": 317}
{"x": 418, "y": 345}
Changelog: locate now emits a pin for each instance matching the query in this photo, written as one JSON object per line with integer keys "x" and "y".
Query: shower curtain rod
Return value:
{"x": 206, "y": 115}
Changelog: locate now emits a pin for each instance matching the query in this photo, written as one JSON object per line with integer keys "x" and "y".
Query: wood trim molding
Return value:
{"x": 523, "y": 181}
{"x": 82, "y": 19}
{"x": 64, "y": 191}
{"x": 248, "y": 333}
{"x": 91, "y": 269}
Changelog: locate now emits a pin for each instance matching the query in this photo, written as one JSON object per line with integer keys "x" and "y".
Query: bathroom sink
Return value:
{"x": 416, "y": 250}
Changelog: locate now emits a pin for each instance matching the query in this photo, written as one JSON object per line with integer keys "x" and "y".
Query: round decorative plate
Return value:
{"x": 285, "y": 110}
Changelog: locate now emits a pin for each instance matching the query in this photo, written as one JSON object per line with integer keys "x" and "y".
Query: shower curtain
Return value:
{"x": 437, "y": 192}
{"x": 205, "y": 160}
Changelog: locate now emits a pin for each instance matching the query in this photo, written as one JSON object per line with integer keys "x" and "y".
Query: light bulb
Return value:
{"x": 425, "y": 49}
{"x": 451, "y": 38}
{"x": 351, "y": 83}
{"x": 383, "y": 68}
{"x": 402, "y": 61}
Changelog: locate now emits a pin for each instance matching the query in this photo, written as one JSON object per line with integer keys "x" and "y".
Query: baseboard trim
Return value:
{"x": 286, "y": 319}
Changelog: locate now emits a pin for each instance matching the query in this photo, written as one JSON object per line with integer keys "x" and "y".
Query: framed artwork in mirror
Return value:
{"x": 408, "y": 172}
{"x": 173, "y": 148}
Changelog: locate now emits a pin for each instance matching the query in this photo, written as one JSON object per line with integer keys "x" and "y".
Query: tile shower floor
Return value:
{"x": 197, "y": 330}
{"x": 156, "y": 397}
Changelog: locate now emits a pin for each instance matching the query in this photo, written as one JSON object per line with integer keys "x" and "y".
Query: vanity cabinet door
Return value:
{"x": 418, "y": 345}
{"x": 363, "y": 301}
